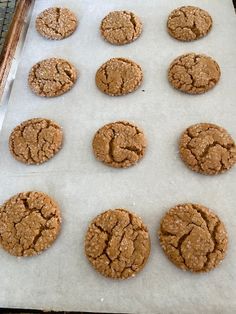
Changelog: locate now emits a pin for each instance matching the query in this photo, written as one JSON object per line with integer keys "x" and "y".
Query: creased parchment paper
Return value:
{"x": 61, "y": 278}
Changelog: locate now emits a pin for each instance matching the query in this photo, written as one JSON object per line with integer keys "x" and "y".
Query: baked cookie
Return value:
{"x": 121, "y": 27}
{"x": 52, "y": 77}
{"x": 35, "y": 141}
{"x": 194, "y": 73}
{"x": 207, "y": 148}
{"x": 119, "y": 76}
{"x": 117, "y": 244}
{"x": 56, "y": 23}
{"x": 119, "y": 144}
{"x": 189, "y": 23}
{"x": 29, "y": 223}
{"x": 193, "y": 237}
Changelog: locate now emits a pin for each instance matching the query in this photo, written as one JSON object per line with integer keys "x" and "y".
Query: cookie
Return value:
{"x": 29, "y": 223}
{"x": 194, "y": 73}
{"x": 117, "y": 244}
{"x": 121, "y": 27}
{"x": 119, "y": 144}
{"x": 189, "y": 23}
{"x": 56, "y": 23}
{"x": 193, "y": 237}
{"x": 207, "y": 148}
{"x": 119, "y": 76}
{"x": 52, "y": 77}
{"x": 35, "y": 141}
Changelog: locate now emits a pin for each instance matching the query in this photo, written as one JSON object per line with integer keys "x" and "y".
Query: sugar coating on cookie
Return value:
{"x": 194, "y": 73}
{"x": 29, "y": 223}
{"x": 52, "y": 77}
{"x": 189, "y": 23}
{"x": 121, "y": 27}
{"x": 35, "y": 141}
{"x": 117, "y": 244}
{"x": 119, "y": 76}
{"x": 119, "y": 144}
{"x": 193, "y": 237}
{"x": 207, "y": 148}
{"x": 56, "y": 23}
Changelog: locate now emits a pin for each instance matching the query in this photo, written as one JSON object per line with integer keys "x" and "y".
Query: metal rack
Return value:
{"x": 7, "y": 9}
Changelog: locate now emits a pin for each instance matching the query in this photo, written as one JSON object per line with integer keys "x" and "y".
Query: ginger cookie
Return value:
{"x": 117, "y": 244}
{"x": 121, "y": 27}
{"x": 193, "y": 237}
{"x": 189, "y": 23}
{"x": 52, "y": 77}
{"x": 194, "y": 73}
{"x": 29, "y": 223}
{"x": 35, "y": 141}
{"x": 119, "y": 76}
{"x": 56, "y": 23}
{"x": 119, "y": 144}
{"x": 207, "y": 148}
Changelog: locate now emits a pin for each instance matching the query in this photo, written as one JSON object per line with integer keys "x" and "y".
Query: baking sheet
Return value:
{"x": 61, "y": 278}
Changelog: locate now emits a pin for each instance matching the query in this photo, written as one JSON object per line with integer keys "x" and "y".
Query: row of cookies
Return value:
{"x": 117, "y": 242}
{"x": 205, "y": 148}
{"x": 122, "y": 27}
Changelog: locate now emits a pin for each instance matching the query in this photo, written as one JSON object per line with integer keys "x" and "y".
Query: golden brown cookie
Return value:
{"x": 194, "y": 73}
{"x": 119, "y": 76}
{"x": 29, "y": 223}
{"x": 52, "y": 77}
{"x": 121, "y": 27}
{"x": 117, "y": 244}
{"x": 56, "y": 23}
{"x": 119, "y": 144}
{"x": 35, "y": 141}
{"x": 193, "y": 237}
{"x": 207, "y": 148}
{"x": 189, "y": 23}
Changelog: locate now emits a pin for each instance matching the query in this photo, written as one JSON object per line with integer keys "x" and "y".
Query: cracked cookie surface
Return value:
{"x": 35, "y": 141}
{"x": 119, "y": 144}
{"x": 189, "y": 23}
{"x": 29, "y": 223}
{"x": 121, "y": 27}
{"x": 117, "y": 244}
{"x": 207, "y": 148}
{"x": 193, "y": 237}
{"x": 119, "y": 76}
{"x": 52, "y": 77}
{"x": 56, "y": 23}
{"x": 194, "y": 73}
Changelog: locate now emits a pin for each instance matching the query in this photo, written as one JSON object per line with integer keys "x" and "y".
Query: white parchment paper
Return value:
{"x": 61, "y": 278}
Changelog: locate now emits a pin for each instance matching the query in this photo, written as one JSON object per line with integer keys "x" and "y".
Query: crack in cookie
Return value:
{"x": 193, "y": 237}
{"x": 117, "y": 244}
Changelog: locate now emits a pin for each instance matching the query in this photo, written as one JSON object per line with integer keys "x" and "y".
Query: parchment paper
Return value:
{"x": 61, "y": 278}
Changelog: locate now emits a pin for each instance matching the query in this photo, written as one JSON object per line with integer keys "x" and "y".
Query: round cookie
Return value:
{"x": 35, "y": 141}
{"x": 52, "y": 77}
{"x": 121, "y": 27}
{"x": 119, "y": 144}
{"x": 194, "y": 73}
{"x": 56, "y": 23}
{"x": 117, "y": 244}
{"x": 189, "y": 23}
{"x": 193, "y": 237}
{"x": 119, "y": 76}
{"x": 29, "y": 223}
{"x": 207, "y": 148}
